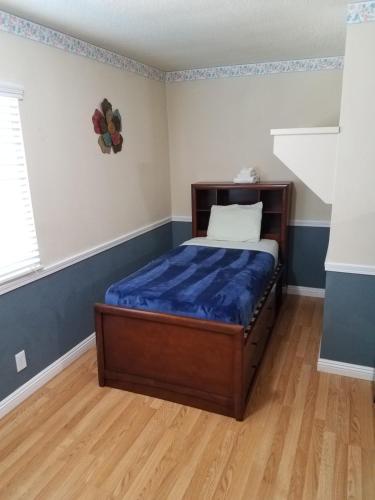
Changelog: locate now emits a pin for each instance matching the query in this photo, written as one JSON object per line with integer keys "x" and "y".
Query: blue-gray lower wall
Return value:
{"x": 307, "y": 252}
{"x": 307, "y": 248}
{"x": 349, "y": 319}
{"x": 50, "y": 316}
{"x": 181, "y": 231}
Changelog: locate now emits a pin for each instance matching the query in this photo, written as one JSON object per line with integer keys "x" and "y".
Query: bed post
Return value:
{"x": 238, "y": 396}
{"x": 100, "y": 346}
{"x": 279, "y": 291}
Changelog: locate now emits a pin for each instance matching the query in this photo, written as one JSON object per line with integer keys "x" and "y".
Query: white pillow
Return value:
{"x": 235, "y": 222}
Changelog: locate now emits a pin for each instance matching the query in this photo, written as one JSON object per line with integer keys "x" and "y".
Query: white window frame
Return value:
{"x": 32, "y": 257}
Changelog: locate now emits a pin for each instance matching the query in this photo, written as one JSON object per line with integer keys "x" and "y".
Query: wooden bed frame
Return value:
{"x": 205, "y": 364}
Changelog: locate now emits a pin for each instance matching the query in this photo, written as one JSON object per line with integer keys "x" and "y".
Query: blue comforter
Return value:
{"x": 203, "y": 282}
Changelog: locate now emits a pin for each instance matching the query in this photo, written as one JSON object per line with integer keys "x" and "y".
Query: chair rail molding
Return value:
{"x": 292, "y": 222}
{"x": 342, "y": 267}
{"x": 69, "y": 261}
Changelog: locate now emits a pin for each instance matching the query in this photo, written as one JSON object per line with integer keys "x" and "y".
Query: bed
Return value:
{"x": 192, "y": 326}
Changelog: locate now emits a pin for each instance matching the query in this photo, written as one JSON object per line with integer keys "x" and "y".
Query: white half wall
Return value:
{"x": 311, "y": 155}
{"x": 352, "y": 237}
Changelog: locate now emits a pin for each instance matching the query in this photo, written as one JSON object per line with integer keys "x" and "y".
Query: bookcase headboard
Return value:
{"x": 274, "y": 195}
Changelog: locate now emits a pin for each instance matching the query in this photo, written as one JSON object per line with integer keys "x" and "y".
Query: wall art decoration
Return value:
{"x": 107, "y": 123}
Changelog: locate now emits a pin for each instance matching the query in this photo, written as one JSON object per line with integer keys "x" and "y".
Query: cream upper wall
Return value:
{"x": 82, "y": 198}
{"x": 352, "y": 239}
{"x": 217, "y": 126}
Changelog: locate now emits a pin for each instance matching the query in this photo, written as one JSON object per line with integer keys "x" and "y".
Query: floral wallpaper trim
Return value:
{"x": 38, "y": 33}
{"x": 257, "y": 69}
{"x": 361, "y": 12}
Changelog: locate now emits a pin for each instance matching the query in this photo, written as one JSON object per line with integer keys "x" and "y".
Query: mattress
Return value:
{"x": 200, "y": 281}
{"x": 263, "y": 245}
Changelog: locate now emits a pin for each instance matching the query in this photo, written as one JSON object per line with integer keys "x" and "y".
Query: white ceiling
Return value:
{"x": 183, "y": 34}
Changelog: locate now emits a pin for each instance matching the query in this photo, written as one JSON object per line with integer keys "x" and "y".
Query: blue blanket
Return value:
{"x": 203, "y": 282}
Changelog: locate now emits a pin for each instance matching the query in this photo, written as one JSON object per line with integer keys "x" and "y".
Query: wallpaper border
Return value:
{"x": 361, "y": 12}
{"x": 356, "y": 13}
{"x": 38, "y": 33}
{"x": 257, "y": 69}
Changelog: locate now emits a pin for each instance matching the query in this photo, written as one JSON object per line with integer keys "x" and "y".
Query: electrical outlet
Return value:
{"x": 21, "y": 360}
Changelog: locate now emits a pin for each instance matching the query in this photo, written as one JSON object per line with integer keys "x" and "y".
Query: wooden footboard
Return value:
{"x": 205, "y": 364}
{"x": 186, "y": 360}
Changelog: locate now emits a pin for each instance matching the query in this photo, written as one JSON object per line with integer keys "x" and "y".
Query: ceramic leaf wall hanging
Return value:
{"x": 108, "y": 124}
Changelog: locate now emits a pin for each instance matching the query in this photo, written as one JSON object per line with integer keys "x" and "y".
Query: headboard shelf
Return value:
{"x": 274, "y": 195}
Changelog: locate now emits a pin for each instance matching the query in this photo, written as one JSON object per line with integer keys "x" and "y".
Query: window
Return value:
{"x": 19, "y": 252}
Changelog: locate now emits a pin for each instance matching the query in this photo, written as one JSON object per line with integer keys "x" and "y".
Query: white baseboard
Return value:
{"x": 27, "y": 389}
{"x": 346, "y": 369}
{"x": 306, "y": 291}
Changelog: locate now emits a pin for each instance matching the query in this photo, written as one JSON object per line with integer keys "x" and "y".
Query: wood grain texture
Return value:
{"x": 306, "y": 435}
{"x": 209, "y": 365}
{"x": 166, "y": 356}
{"x": 275, "y": 197}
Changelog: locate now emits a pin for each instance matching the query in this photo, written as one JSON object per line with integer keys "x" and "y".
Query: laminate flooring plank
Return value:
{"x": 306, "y": 436}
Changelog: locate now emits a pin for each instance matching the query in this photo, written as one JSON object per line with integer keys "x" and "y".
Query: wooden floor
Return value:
{"x": 307, "y": 435}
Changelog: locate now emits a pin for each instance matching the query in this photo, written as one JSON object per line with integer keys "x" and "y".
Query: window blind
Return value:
{"x": 19, "y": 252}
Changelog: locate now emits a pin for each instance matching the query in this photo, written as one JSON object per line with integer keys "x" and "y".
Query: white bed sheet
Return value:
{"x": 263, "y": 245}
